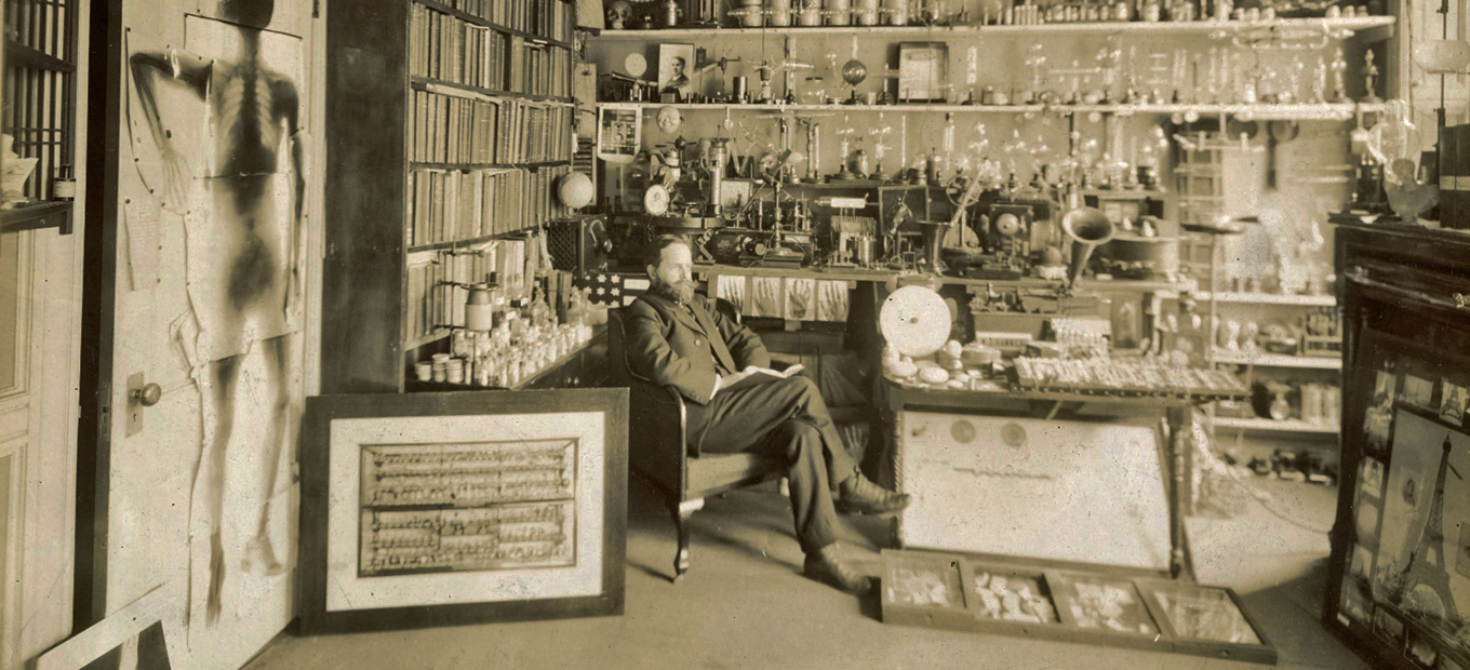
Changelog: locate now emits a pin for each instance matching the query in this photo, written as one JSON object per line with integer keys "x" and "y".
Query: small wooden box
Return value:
{"x": 1103, "y": 607}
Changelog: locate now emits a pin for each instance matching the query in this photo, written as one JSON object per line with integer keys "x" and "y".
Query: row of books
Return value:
{"x": 453, "y": 205}
{"x": 433, "y": 303}
{"x": 447, "y": 48}
{"x": 540, "y": 69}
{"x": 452, "y": 49}
{"x": 547, "y": 18}
{"x": 457, "y": 129}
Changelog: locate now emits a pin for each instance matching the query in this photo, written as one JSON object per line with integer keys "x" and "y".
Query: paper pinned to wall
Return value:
{"x": 142, "y": 223}
{"x": 732, "y": 288}
{"x": 832, "y": 301}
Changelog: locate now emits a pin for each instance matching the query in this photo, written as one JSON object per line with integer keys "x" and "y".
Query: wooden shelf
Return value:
{"x": 1332, "y": 111}
{"x": 865, "y": 274}
{"x": 533, "y": 165}
{"x": 1288, "y": 426}
{"x": 20, "y": 55}
{"x": 471, "y": 18}
{"x": 466, "y": 242}
{"x": 36, "y": 216}
{"x": 416, "y": 342}
{"x": 1263, "y": 359}
{"x": 475, "y": 92}
{"x": 1270, "y": 299}
{"x": 1319, "y": 25}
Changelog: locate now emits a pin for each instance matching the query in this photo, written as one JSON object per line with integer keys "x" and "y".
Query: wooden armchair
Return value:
{"x": 658, "y": 452}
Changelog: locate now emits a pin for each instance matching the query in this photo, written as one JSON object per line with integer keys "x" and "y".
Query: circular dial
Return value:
{"x": 1008, "y": 224}
{"x": 656, "y": 200}
{"x": 635, "y": 64}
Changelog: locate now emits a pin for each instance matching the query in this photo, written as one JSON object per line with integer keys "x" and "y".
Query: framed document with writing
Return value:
{"x": 431, "y": 509}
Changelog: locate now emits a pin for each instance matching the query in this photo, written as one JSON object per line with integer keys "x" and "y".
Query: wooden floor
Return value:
{"x": 745, "y": 605}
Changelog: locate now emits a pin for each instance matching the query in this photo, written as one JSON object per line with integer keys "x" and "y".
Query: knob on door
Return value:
{"x": 140, "y": 394}
{"x": 149, "y": 395}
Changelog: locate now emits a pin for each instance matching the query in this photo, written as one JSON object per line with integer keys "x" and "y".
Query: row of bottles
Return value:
{"x": 504, "y": 345}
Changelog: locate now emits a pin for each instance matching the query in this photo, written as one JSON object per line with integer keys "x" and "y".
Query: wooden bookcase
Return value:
{"x": 447, "y": 126}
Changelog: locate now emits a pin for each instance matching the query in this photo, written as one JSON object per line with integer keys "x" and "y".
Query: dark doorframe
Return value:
{"x": 99, "y": 275}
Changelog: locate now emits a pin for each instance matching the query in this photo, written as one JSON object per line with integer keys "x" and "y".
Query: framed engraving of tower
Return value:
{"x": 1418, "y": 585}
{"x": 433, "y": 509}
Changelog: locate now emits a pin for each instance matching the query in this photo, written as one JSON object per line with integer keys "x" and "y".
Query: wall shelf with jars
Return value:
{"x": 1327, "y": 111}
{"x": 1337, "y": 27}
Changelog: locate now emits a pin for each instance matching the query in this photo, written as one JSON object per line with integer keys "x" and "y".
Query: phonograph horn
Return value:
{"x": 1088, "y": 227}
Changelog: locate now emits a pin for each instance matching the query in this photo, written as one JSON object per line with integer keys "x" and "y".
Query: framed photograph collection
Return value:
{"x": 958, "y": 592}
{"x": 1401, "y": 578}
{"x": 431, "y": 509}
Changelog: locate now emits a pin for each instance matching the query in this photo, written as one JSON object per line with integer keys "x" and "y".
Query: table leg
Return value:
{"x": 1178, "y": 443}
{"x": 895, "y": 459}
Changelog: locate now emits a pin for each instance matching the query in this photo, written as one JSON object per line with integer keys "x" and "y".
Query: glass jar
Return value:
{"x": 897, "y": 12}
{"x": 814, "y": 92}
{"x": 838, "y": 12}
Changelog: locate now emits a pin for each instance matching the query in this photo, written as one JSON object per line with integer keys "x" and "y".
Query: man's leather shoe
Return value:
{"x": 864, "y": 497}
{"x": 827, "y": 566}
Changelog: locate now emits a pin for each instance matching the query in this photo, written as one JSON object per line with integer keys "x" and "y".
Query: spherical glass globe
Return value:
{"x": 575, "y": 190}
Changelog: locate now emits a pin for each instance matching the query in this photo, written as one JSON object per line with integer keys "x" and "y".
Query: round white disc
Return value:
{"x": 635, "y": 64}
{"x": 915, "y": 321}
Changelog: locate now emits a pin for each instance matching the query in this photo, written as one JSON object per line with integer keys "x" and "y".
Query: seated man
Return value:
{"x": 736, "y": 403}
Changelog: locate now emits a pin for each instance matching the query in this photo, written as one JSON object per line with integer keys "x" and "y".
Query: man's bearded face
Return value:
{"x": 672, "y": 278}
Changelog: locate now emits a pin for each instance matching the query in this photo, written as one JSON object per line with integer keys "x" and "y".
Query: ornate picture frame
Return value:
{"x": 432, "y": 509}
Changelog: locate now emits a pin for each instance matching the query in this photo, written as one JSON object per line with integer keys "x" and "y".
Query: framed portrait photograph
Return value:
{"x": 676, "y": 70}
{"x": 429, "y": 509}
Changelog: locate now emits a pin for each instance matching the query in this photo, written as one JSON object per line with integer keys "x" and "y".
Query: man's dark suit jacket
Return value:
{"x": 688, "y": 348}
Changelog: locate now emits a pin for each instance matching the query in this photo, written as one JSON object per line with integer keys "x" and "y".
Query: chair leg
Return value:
{"x": 681, "y": 513}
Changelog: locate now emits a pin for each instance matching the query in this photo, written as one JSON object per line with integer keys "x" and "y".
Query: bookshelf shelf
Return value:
{"x": 416, "y": 342}
{"x": 532, "y": 165}
{"x": 475, "y": 92}
{"x": 467, "y": 242}
{"x": 476, "y": 20}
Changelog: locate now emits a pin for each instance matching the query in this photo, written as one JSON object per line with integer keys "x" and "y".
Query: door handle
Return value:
{"x": 147, "y": 396}
{"x": 140, "y": 394}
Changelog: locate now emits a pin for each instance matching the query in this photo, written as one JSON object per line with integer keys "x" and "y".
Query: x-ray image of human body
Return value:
{"x": 242, "y": 201}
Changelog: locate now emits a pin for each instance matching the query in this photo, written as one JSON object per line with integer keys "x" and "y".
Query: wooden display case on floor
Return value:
{"x": 958, "y": 592}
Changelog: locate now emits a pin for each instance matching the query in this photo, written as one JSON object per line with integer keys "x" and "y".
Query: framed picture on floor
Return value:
{"x": 429, "y": 509}
{"x": 1408, "y": 562}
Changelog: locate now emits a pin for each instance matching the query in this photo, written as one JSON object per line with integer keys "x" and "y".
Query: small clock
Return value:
{"x": 656, "y": 200}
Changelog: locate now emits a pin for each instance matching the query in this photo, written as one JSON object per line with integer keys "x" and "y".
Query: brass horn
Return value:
{"x": 1088, "y": 227}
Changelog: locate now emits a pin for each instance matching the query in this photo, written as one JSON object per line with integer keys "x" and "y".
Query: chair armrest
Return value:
{"x": 656, "y": 442}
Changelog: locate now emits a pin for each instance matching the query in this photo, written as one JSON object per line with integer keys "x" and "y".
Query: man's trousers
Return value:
{"x": 786, "y": 419}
